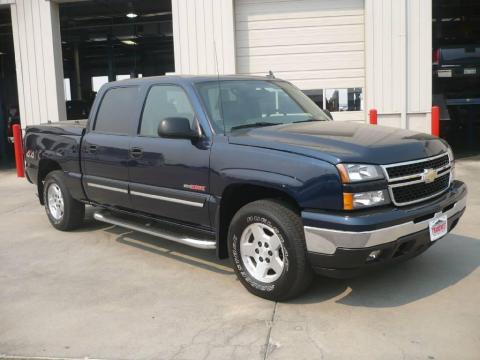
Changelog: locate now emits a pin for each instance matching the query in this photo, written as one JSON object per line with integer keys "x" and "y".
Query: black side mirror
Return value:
{"x": 328, "y": 113}
{"x": 176, "y": 128}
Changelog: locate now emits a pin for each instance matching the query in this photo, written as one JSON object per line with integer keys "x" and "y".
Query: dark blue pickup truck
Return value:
{"x": 251, "y": 167}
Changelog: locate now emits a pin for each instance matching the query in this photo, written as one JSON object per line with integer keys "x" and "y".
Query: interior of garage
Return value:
{"x": 108, "y": 40}
{"x": 456, "y": 72}
{"x": 8, "y": 87}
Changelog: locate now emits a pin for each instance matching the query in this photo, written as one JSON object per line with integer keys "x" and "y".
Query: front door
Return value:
{"x": 106, "y": 146}
{"x": 169, "y": 177}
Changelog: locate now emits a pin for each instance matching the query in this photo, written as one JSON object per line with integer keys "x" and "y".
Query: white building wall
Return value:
{"x": 317, "y": 45}
{"x": 398, "y": 62}
{"x": 203, "y": 33}
{"x": 38, "y": 57}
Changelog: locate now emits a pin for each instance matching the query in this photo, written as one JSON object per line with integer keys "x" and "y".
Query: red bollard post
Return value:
{"x": 18, "y": 144}
{"x": 436, "y": 121}
{"x": 373, "y": 117}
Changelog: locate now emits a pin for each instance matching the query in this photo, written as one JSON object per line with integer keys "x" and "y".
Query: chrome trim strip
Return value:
{"x": 395, "y": 185}
{"x": 326, "y": 241}
{"x": 105, "y": 187}
{"x": 403, "y": 177}
{"x": 169, "y": 199}
{"x": 108, "y": 218}
{"x": 439, "y": 170}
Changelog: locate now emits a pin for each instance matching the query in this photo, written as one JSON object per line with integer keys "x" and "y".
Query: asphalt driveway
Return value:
{"x": 105, "y": 292}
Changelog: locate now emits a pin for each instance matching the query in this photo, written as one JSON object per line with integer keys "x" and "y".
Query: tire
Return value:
{"x": 282, "y": 230}
{"x": 66, "y": 213}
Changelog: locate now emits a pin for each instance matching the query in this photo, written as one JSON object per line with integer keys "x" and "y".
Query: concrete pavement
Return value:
{"x": 105, "y": 292}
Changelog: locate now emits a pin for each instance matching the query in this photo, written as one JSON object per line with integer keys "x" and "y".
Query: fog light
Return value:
{"x": 371, "y": 198}
{"x": 374, "y": 255}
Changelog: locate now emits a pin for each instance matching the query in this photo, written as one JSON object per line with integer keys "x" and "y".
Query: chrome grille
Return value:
{"x": 417, "y": 167}
{"x": 415, "y": 181}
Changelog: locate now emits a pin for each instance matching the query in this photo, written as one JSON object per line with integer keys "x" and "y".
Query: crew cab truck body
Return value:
{"x": 253, "y": 168}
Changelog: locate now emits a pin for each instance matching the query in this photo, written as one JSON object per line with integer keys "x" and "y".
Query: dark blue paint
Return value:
{"x": 336, "y": 142}
{"x": 108, "y": 166}
{"x": 170, "y": 164}
{"x": 297, "y": 159}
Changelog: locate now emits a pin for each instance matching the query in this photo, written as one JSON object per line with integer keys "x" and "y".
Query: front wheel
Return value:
{"x": 64, "y": 212}
{"x": 267, "y": 246}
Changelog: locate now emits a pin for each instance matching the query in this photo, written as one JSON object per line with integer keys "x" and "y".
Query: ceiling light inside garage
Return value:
{"x": 131, "y": 15}
{"x": 129, "y": 42}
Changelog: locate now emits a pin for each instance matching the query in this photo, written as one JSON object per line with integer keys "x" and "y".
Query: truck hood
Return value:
{"x": 337, "y": 142}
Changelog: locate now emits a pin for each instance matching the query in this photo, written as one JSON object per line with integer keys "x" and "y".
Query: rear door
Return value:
{"x": 169, "y": 177}
{"x": 105, "y": 147}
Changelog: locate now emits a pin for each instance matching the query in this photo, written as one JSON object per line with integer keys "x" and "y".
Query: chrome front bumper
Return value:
{"x": 326, "y": 241}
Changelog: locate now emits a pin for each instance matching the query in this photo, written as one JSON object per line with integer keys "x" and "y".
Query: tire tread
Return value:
{"x": 291, "y": 223}
{"x": 74, "y": 210}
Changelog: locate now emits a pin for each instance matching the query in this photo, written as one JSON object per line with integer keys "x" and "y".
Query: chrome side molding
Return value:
{"x": 105, "y": 187}
{"x": 166, "y": 198}
{"x": 109, "y": 218}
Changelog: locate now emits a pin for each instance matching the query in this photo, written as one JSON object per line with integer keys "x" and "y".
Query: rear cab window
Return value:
{"x": 117, "y": 111}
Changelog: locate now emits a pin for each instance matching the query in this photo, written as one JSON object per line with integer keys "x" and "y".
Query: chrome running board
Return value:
{"x": 109, "y": 218}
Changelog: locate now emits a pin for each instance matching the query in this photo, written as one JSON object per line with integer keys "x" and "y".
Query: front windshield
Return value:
{"x": 238, "y": 104}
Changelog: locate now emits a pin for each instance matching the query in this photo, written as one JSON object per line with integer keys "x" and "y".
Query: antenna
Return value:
{"x": 219, "y": 88}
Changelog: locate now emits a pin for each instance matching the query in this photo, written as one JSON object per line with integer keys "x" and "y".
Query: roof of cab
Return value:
{"x": 184, "y": 79}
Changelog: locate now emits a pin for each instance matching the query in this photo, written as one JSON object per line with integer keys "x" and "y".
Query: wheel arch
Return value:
{"x": 45, "y": 166}
{"x": 236, "y": 196}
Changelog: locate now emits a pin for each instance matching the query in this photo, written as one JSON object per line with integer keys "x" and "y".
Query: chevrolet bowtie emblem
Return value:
{"x": 429, "y": 175}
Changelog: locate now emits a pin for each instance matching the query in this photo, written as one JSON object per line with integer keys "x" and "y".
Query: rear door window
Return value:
{"x": 117, "y": 111}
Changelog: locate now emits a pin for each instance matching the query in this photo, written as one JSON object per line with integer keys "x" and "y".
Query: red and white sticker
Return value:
{"x": 194, "y": 187}
{"x": 438, "y": 227}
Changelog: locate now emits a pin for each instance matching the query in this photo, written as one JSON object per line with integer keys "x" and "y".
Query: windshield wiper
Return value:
{"x": 308, "y": 120}
{"x": 257, "y": 124}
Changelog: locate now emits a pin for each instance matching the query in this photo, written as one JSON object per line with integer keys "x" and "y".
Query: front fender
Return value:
{"x": 262, "y": 178}
{"x": 312, "y": 183}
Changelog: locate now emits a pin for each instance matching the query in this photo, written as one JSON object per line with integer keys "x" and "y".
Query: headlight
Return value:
{"x": 352, "y": 176}
{"x": 365, "y": 199}
{"x": 351, "y": 173}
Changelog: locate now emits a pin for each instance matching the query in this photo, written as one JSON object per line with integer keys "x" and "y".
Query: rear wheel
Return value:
{"x": 267, "y": 246}
{"x": 64, "y": 212}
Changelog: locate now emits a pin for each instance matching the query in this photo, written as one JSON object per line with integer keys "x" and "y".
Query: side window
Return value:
{"x": 164, "y": 101}
{"x": 117, "y": 111}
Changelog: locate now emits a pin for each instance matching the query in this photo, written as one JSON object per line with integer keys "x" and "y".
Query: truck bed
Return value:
{"x": 57, "y": 143}
{"x": 72, "y": 127}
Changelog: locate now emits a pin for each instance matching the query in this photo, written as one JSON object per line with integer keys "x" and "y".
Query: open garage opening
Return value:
{"x": 108, "y": 40}
{"x": 456, "y": 72}
{"x": 9, "y": 112}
